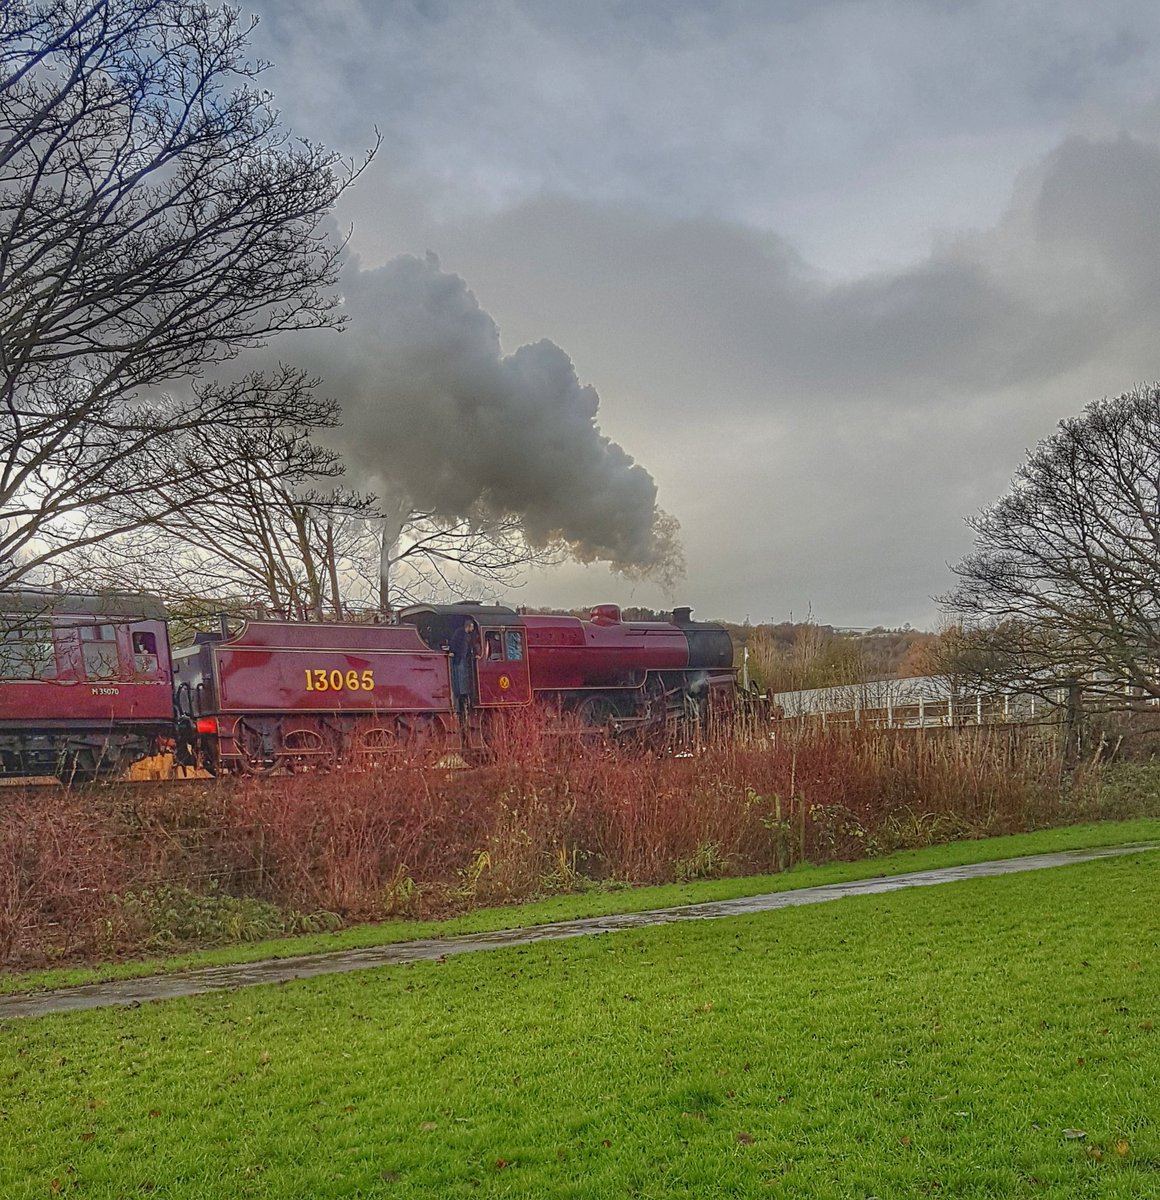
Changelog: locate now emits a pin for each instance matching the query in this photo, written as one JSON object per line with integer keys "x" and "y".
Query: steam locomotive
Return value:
{"x": 89, "y": 684}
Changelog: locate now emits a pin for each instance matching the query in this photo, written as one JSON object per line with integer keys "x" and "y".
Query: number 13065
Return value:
{"x": 318, "y": 679}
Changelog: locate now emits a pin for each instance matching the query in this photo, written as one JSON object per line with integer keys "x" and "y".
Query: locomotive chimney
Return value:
{"x": 682, "y": 616}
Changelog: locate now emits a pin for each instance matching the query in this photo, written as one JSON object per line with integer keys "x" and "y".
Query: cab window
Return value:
{"x": 493, "y": 646}
{"x": 145, "y": 652}
{"x": 514, "y": 645}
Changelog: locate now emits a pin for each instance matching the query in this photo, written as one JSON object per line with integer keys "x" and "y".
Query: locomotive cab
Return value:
{"x": 498, "y": 657}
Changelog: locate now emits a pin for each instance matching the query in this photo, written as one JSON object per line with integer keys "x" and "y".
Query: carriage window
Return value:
{"x": 99, "y": 649}
{"x": 145, "y": 652}
{"x": 492, "y": 646}
{"x": 27, "y": 653}
{"x": 514, "y": 646}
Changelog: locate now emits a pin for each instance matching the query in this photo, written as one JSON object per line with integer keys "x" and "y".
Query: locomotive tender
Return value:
{"x": 88, "y": 684}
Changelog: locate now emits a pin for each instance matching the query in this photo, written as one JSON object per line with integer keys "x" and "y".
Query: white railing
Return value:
{"x": 922, "y": 702}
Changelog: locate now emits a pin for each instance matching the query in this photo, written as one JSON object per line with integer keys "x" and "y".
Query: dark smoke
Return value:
{"x": 435, "y": 411}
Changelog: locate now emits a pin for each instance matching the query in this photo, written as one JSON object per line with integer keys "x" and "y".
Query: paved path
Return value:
{"x": 133, "y": 992}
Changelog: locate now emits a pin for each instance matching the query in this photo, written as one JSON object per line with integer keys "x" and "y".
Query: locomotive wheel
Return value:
{"x": 423, "y": 738}
{"x": 399, "y": 743}
{"x": 307, "y": 750}
{"x": 691, "y": 731}
{"x": 252, "y": 748}
{"x": 597, "y": 715}
{"x": 379, "y": 745}
{"x": 597, "y": 711}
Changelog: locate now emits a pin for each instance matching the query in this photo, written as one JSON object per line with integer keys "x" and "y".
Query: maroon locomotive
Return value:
{"x": 85, "y": 682}
{"x": 285, "y": 694}
{"x": 89, "y": 683}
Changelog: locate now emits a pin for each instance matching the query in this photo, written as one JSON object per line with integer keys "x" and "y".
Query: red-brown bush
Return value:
{"x": 81, "y": 871}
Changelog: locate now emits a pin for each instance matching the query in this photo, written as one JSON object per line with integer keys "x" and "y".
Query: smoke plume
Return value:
{"x": 434, "y": 410}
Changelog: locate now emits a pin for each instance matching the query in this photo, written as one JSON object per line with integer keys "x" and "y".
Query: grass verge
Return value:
{"x": 989, "y": 1038}
{"x": 603, "y": 901}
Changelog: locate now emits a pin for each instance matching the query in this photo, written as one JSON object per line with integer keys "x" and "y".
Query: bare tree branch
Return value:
{"x": 155, "y": 218}
{"x": 424, "y": 555}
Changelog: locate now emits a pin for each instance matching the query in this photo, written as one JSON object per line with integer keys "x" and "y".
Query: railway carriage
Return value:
{"x": 85, "y": 682}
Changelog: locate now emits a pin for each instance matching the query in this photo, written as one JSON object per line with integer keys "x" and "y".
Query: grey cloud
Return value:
{"x": 1103, "y": 197}
{"x": 1072, "y": 263}
{"x": 700, "y": 311}
{"x": 901, "y": 401}
{"x": 945, "y": 325}
{"x": 692, "y": 107}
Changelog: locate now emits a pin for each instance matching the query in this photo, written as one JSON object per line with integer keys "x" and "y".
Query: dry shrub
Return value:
{"x": 336, "y": 842}
{"x": 59, "y": 866}
{"x": 552, "y": 808}
{"x": 848, "y": 791}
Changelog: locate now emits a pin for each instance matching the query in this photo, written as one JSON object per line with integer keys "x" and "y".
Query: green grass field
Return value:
{"x": 602, "y": 901}
{"x": 989, "y": 1038}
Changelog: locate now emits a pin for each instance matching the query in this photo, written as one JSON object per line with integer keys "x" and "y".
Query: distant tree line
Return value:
{"x": 796, "y": 656}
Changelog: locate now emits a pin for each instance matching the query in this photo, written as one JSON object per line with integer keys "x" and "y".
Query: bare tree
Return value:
{"x": 155, "y": 218}
{"x": 423, "y": 555}
{"x": 272, "y": 531}
{"x": 269, "y": 528}
{"x": 1062, "y": 592}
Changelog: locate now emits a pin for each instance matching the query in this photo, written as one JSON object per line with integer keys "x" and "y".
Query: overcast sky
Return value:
{"x": 825, "y": 271}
